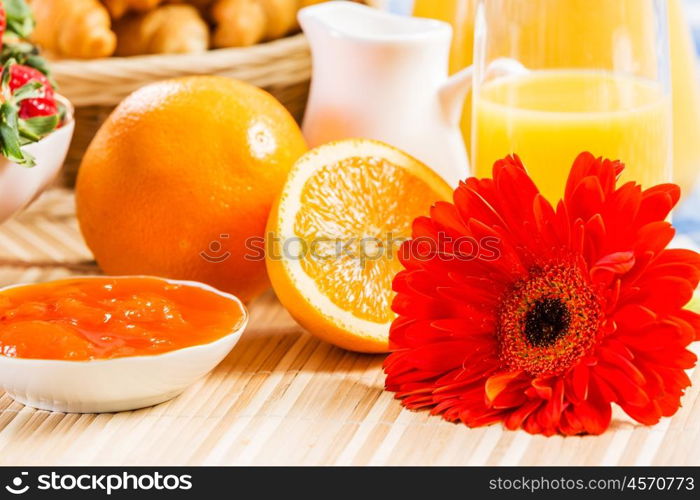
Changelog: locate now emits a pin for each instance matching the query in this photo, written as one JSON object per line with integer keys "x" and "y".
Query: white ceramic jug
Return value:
{"x": 382, "y": 76}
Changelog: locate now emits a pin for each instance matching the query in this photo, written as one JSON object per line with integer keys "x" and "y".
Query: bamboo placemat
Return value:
{"x": 283, "y": 397}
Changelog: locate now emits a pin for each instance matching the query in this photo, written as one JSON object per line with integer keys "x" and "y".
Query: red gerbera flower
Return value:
{"x": 563, "y": 312}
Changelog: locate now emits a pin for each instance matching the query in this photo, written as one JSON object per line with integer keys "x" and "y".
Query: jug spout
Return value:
{"x": 312, "y": 23}
{"x": 453, "y": 93}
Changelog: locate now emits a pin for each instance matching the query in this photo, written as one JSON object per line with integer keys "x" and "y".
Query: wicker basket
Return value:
{"x": 282, "y": 67}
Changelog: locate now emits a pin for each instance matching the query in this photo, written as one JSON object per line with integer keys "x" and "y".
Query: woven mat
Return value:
{"x": 283, "y": 397}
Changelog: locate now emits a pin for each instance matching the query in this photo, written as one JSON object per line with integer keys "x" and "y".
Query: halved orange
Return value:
{"x": 334, "y": 233}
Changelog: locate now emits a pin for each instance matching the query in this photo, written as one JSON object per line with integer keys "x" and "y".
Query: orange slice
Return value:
{"x": 334, "y": 233}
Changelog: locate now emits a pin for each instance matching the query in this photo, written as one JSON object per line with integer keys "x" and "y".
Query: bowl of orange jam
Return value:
{"x": 106, "y": 344}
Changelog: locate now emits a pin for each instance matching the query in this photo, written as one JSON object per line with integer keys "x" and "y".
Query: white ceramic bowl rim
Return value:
{"x": 70, "y": 111}
{"x": 243, "y": 323}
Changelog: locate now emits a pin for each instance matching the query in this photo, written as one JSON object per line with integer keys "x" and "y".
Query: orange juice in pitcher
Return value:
{"x": 590, "y": 22}
{"x": 548, "y": 117}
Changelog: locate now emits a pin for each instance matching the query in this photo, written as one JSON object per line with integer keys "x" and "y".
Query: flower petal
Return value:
{"x": 614, "y": 264}
{"x": 594, "y": 414}
{"x": 516, "y": 418}
{"x": 657, "y": 203}
{"x": 666, "y": 295}
{"x": 498, "y": 383}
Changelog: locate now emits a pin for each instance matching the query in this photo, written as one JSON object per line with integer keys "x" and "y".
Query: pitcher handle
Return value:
{"x": 454, "y": 91}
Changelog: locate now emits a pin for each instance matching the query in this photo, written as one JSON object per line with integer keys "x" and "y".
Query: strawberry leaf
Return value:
{"x": 14, "y": 131}
{"x": 9, "y": 133}
{"x": 5, "y": 77}
{"x": 20, "y": 20}
{"x": 26, "y": 54}
{"x": 33, "y": 129}
{"x": 30, "y": 90}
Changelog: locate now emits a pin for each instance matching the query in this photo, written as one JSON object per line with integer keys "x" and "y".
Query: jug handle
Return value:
{"x": 455, "y": 90}
{"x": 453, "y": 93}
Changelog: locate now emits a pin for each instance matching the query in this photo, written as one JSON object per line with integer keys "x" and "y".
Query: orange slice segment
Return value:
{"x": 334, "y": 235}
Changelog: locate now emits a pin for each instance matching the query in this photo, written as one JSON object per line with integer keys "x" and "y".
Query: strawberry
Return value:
{"x": 3, "y": 21}
{"x": 28, "y": 107}
{"x": 16, "y": 26}
{"x": 28, "y": 110}
{"x": 40, "y": 106}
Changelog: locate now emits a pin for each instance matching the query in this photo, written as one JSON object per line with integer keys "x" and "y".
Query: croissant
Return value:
{"x": 202, "y": 5}
{"x": 281, "y": 17}
{"x": 73, "y": 28}
{"x": 247, "y": 22}
{"x": 117, "y": 8}
{"x": 169, "y": 29}
{"x": 308, "y": 3}
{"x": 240, "y": 23}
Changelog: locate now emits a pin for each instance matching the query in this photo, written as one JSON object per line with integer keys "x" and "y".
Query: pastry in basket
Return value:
{"x": 281, "y": 17}
{"x": 241, "y": 23}
{"x": 169, "y": 29}
{"x": 117, "y": 8}
{"x": 89, "y": 29}
{"x": 202, "y": 5}
{"x": 73, "y": 28}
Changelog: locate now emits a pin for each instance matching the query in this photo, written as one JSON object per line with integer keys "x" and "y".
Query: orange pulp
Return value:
{"x": 103, "y": 318}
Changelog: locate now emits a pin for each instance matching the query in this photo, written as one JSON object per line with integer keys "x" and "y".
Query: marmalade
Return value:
{"x": 103, "y": 318}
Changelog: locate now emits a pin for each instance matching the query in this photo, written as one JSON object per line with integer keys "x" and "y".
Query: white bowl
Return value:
{"x": 19, "y": 186}
{"x": 118, "y": 384}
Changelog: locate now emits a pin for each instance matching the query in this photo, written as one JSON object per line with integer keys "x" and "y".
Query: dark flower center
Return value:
{"x": 548, "y": 320}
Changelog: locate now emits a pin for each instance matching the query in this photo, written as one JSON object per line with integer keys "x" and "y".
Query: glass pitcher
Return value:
{"x": 592, "y": 16}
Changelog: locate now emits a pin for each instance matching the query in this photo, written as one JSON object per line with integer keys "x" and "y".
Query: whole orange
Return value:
{"x": 179, "y": 182}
